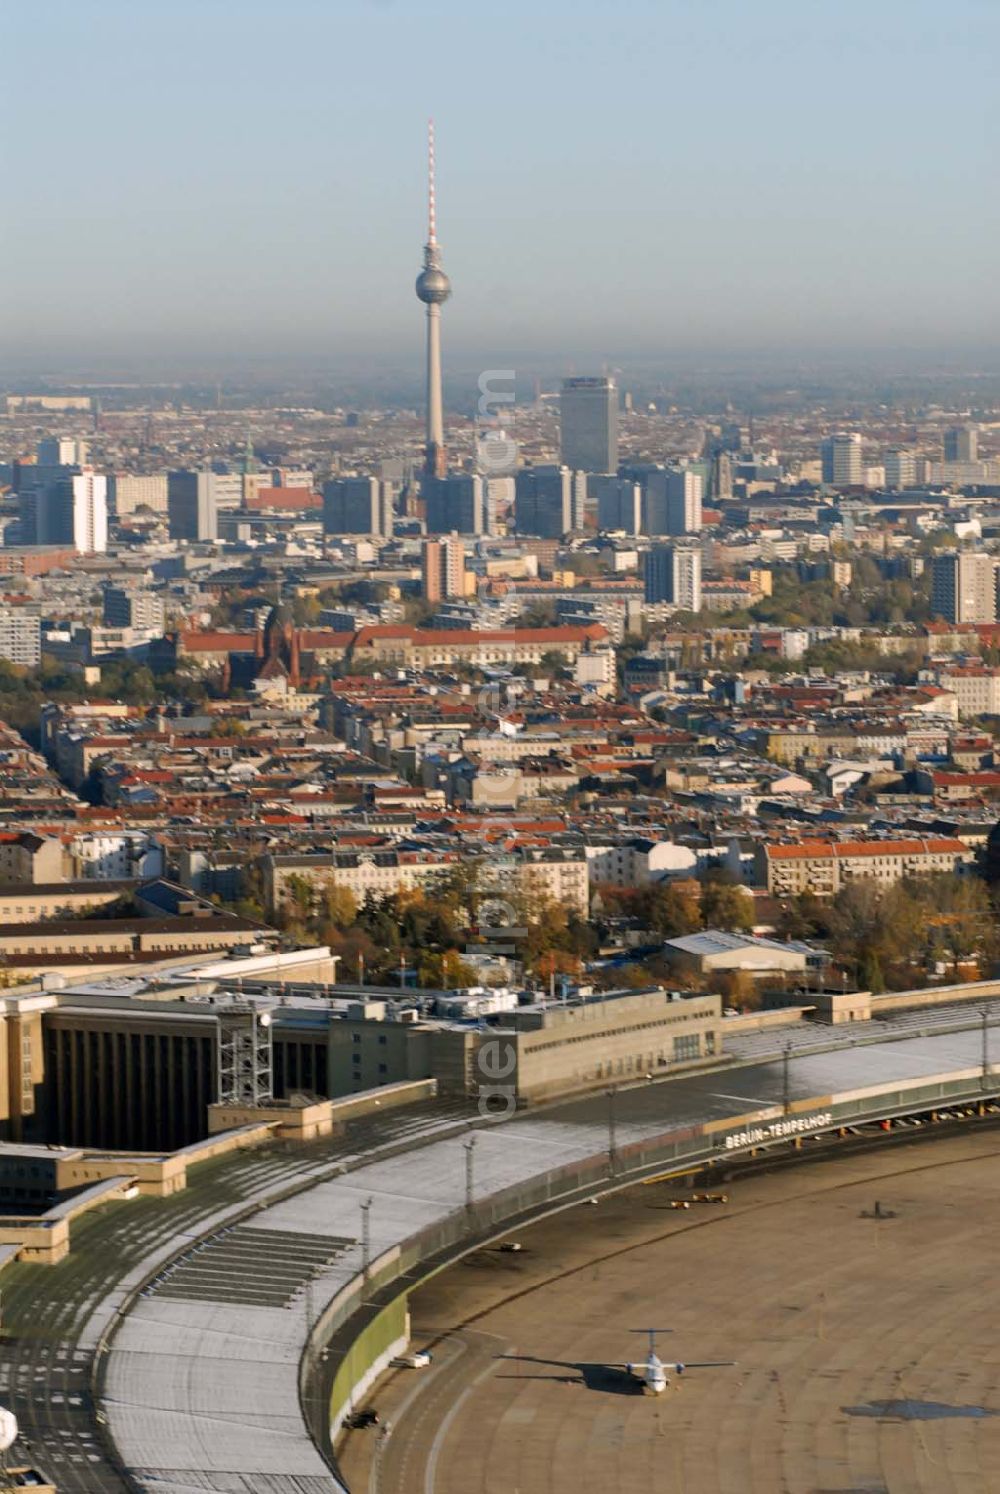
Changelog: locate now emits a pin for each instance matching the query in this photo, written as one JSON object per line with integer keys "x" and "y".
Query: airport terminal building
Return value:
{"x": 88, "y": 1066}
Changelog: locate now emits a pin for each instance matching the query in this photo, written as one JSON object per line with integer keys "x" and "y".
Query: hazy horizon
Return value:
{"x": 225, "y": 182}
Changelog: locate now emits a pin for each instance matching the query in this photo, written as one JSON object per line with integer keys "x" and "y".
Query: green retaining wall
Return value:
{"x": 387, "y": 1332}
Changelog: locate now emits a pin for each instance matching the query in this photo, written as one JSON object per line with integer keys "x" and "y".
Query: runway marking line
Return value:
{"x": 445, "y": 1427}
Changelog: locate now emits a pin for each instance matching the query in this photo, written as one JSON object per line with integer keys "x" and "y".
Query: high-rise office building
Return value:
{"x": 89, "y": 496}
{"x": 433, "y": 289}
{"x": 672, "y": 499}
{"x": 961, "y": 443}
{"x": 963, "y": 587}
{"x": 722, "y": 475}
{"x": 20, "y": 638}
{"x": 588, "y": 416}
{"x": 71, "y": 510}
{"x": 442, "y": 568}
{"x": 900, "y": 469}
{"x": 619, "y": 503}
{"x": 130, "y": 491}
{"x": 62, "y": 451}
{"x": 499, "y": 499}
{"x": 546, "y": 502}
{"x": 841, "y": 460}
{"x": 45, "y": 502}
{"x": 192, "y": 506}
{"x": 132, "y": 607}
{"x": 357, "y": 505}
{"x": 456, "y": 503}
{"x": 228, "y": 490}
{"x": 672, "y": 574}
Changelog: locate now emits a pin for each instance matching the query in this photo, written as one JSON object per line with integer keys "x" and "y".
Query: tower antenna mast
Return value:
{"x": 433, "y": 289}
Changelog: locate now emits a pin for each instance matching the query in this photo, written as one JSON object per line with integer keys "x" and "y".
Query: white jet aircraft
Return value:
{"x": 655, "y": 1374}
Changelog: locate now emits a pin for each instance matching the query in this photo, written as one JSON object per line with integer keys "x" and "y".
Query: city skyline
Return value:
{"x": 724, "y": 195}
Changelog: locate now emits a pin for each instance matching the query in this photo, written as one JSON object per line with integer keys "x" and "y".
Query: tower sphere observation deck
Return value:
{"x": 433, "y": 285}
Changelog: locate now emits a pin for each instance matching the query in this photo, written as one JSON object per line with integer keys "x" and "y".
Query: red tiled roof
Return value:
{"x": 849, "y": 849}
{"x": 984, "y": 779}
{"x": 435, "y": 637}
{"x": 216, "y": 643}
{"x": 313, "y": 638}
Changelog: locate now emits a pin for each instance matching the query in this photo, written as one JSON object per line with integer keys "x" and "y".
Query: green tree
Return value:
{"x": 726, "y": 905}
{"x": 670, "y": 909}
{"x": 537, "y": 614}
{"x": 870, "y": 973}
{"x": 301, "y": 893}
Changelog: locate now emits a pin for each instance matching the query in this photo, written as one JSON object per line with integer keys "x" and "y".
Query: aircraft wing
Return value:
{"x": 703, "y": 1364}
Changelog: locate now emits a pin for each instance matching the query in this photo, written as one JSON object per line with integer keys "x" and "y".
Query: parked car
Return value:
{"x": 359, "y": 1419}
{"x": 417, "y": 1359}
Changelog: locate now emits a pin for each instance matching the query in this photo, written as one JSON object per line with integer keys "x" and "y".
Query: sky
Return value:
{"x": 231, "y": 179}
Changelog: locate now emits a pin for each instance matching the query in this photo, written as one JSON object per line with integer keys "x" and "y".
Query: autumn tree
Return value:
{"x": 725, "y": 904}
{"x": 739, "y": 989}
{"x": 339, "y": 907}
{"x": 670, "y": 909}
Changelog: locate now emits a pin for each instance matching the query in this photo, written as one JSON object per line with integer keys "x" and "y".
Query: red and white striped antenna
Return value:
{"x": 431, "y": 187}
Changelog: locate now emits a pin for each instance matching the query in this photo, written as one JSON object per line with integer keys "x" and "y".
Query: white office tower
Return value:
{"x": 672, "y": 574}
{"x": 544, "y": 501}
{"x": 619, "y": 504}
{"x": 842, "y": 464}
{"x": 90, "y": 513}
{"x": 73, "y": 511}
{"x": 963, "y": 587}
{"x": 588, "y": 414}
{"x": 498, "y": 498}
{"x": 900, "y": 469}
{"x": 672, "y": 501}
{"x": 578, "y": 501}
{"x": 358, "y": 505}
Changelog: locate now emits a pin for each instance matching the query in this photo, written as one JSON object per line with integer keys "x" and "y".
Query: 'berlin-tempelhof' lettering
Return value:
{"x": 789, "y": 1125}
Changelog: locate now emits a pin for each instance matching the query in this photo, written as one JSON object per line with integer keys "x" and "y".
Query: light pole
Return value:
{"x": 470, "y": 1150}
{"x": 786, "y": 1054}
{"x": 985, "y": 1013}
{"x": 612, "y": 1132}
{"x": 366, "y": 1238}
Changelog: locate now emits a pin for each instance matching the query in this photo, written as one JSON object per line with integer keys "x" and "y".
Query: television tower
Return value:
{"x": 433, "y": 288}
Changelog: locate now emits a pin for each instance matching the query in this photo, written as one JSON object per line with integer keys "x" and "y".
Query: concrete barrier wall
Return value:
{"x": 388, "y": 1097}
{"x": 369, "y": 1356}
{"x": 778, "y": 1016}
{"x": 969, "y": 990}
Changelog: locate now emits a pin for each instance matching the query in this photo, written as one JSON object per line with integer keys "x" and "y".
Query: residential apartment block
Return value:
{"x": 823, "y": 868}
